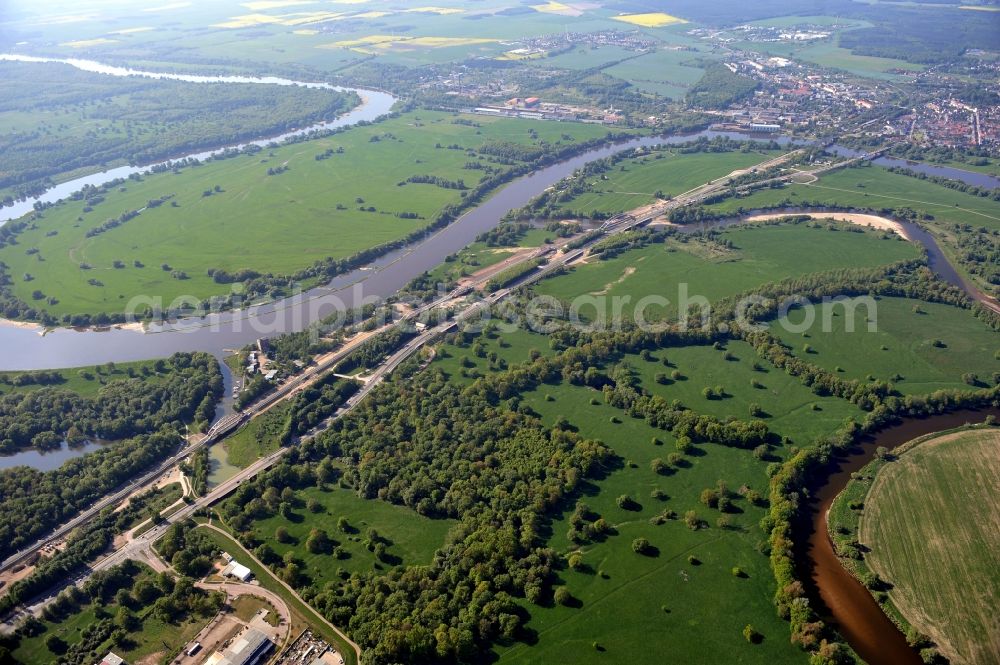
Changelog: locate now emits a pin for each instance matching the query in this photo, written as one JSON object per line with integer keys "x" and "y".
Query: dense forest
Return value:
{"x": 83, "y": 120}
{"x": 182, "y": 388}
{"x": 719, "y": 87}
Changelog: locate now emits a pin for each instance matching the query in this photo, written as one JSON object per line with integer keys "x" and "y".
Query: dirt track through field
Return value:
{"x": 932, "y": 524}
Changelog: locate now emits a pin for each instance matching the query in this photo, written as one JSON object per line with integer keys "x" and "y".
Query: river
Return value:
{"x": 835, "y": 594}
{"x": 217, "y": 333}
{"x": 834, "y": 591}
{"x": 968, "y": 177}
{"x": 374, "y": 104}
{"x": 66, "y": 347}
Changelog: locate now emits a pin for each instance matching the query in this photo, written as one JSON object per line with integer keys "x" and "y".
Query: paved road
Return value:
{"x": 138, "y": 546}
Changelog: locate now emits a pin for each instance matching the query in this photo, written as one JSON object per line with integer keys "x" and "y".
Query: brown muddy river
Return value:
{"x": 837, "y": 596}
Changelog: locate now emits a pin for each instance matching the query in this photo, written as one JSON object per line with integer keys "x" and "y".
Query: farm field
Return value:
{"x": 237, "y": 32}
{"x": 931, "y": 526}
{"x": 666, "y": 72}
{"x": 633, "y": 182}
{"x": 408, "y": 538}
{"x": 902, "y": 346}
{"x": 828, "y": 54}
{"x": 229, "y": 214}
{"x": 758, "y": 255}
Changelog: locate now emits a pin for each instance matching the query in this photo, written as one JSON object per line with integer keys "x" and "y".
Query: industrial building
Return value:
{"x": 237, "y": 571}
{"x": 251, "y": 647}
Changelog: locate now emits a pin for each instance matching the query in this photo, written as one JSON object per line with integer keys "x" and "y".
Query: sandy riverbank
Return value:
{"x": 861, "y": 219}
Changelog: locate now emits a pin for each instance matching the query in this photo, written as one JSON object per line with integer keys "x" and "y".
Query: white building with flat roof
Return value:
{"x": 237, "y": 571}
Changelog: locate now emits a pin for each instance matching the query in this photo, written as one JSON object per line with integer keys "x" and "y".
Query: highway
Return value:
{"x": 557, "y": 260}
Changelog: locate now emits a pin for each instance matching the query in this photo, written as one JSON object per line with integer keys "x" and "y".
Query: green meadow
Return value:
{"x": 875, "y": 187}
{"x": 85, "y": 381}
{"x": 257, "y": 438}
{"x": 919, "y": 346}
{"x": 667, "y": 73}
{"x": 479, "y": 255}
{"x": 409, "y": 539}
{"x": 633, "y": 182}
{"x": 789, "y": 408}
{"x": 759, "y": 254}
{"x": 230, "y": 214}
{"x": 636, "y": 608}
{"x": 946, "y": 210}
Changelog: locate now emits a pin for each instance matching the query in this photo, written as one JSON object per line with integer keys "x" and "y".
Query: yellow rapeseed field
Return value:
{"x": 651, "y": 20}
{"x": 436, "y": 10}
{"x": 85, "y": 43}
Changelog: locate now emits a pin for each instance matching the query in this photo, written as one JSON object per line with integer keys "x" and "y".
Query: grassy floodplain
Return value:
{"x": 257, "y": 438}
{"x": 875, "y": 187}
{"x": 231, "y": 215}
{"x": 919, "y": 346}
{"x": 931, "y": 525}
{"x": 85, "y": 381}
{"x": 950, "y": 214}
{"x": 409, "y": 538}
{"x": 77, "y": 122}
{"x": 709, "y": 269}
{"x": 637, "y": 608}
{"x": 633, "y": 182}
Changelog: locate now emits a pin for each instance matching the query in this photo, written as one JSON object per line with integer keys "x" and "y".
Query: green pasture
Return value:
{"x": 875, "y": 187}
{"x": 269, "y": 223}
{"x": 636, "y": 608}
{"x": 632, "y": 182}
{"x": 921, "y": 347}
{"x": 759, "y": 255}
{"x": 410, "y": 539}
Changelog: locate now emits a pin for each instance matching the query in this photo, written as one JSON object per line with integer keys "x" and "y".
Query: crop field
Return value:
{"x": 931, "y": 524}
{"x": 921, "y": 347}
{"x": 409, "y": 539}
{"x": 827, "y": 54}
{"x": 587, "y": 57}
{"x": 632, "y": 182}
{"x": 231, "y": 214}
{"x": 301, "y": 32}
{"x": 759, "y": 255}
{"x": 666, "y": 72}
